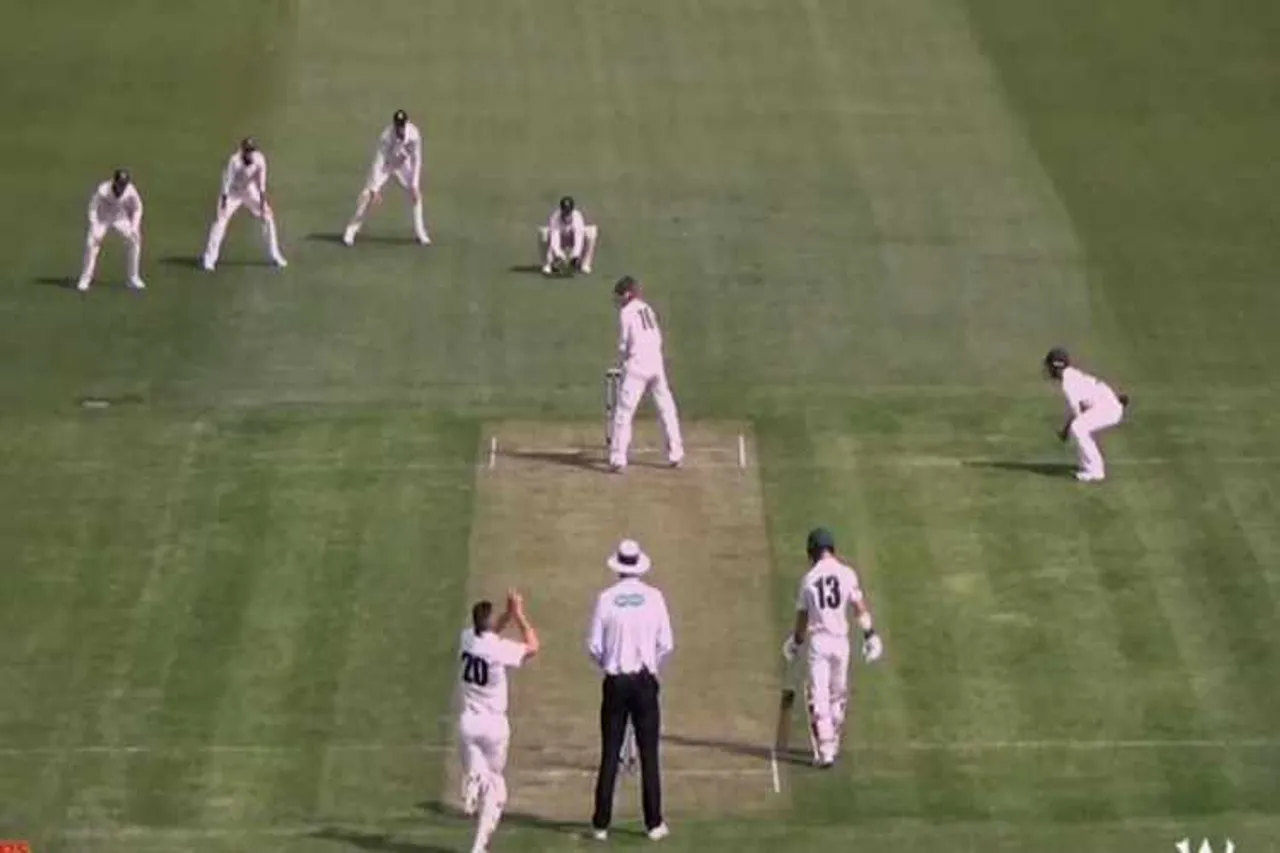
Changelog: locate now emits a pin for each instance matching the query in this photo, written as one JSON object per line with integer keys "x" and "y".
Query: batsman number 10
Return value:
{"x": 15, "y": 847}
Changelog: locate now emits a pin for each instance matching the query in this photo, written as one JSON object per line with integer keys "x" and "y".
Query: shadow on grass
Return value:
{"x": 380, "y": 239}
{"x": 64, "y": 281}
{"x": 381, "y": 842}
{"x": 526, "y": 269}
{"x": 749, "y": 750}
{"x": 1061, "y": 470}
{"x": 586, "y": 460}
{"x": 522, "y": 819}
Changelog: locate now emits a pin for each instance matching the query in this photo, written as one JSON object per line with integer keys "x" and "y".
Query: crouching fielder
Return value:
{"x": 398, "y": 155}
{"x": 567, "y": 239}
{"x": 484, "y": 732}
{"x": 1092, "y": 406}
{"x": 822, "y": 627}
{"x": 244, "y": 184}
{"x": 116, "y": 206}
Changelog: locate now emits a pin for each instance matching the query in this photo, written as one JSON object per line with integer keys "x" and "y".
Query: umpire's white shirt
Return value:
{"x": 631, "y": 629}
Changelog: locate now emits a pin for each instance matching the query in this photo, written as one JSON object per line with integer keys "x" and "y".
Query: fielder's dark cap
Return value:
{"x": 820, "y": 539}
{"x": 1056, "y": 359}
{"x": 625, "y": 285}
{"x": 566, "y": 204}
{"x": 400, "y": 117}
{"x": 248, "y": 144}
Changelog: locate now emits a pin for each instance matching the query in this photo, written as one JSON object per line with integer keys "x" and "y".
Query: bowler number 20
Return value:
{"x": 827, "y": 589}
{"x": 475, "y": 670}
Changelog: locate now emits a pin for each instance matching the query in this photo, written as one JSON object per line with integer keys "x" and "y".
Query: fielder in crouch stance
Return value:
{"x": 822, "y": 629}
{"x": 399, "y": 155}
{"x": 114, "y": 205}
{"x": 244, "y": 184}
{"x": 483, "y": 727}
{"x": 567, "y": 225}
{"x": 1092, "y": 406}
{"x": 643, "y": 369}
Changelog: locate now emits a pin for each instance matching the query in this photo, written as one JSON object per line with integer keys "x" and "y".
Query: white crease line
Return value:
{"x": 773, "y": 769}
{"x": 531, "y": 752}
{"x": 493, "y": 451}
{"x": 742, "y": 451}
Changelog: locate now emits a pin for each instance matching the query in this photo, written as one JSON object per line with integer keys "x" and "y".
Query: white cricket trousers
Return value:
{"x": 483, "y": 740}
{"x": 251, "y": 200}
{"x": 635, "y": 383}
{"x": 1085, "y": 426}
{"x": 827, "y": 692}
{"x": 93, "y": 245}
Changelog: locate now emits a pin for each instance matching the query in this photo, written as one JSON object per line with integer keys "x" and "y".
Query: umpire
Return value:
{"x": 630, "y": 635}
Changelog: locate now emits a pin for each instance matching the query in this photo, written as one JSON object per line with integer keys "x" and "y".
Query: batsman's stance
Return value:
{"x": 822, "y": 626}
{"x": 643, "y": 369}
{"x": 484, "y": 658}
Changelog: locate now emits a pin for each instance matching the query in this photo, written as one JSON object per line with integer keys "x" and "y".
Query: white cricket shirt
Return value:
{"x": 1084, "y": 391}
{"x": 239, "y": 176}
{"x": 482, "y": 670}
{"x": 105, "y": 207}
{"x": 630, "y": 629}
{"x": 826, "y": 593}
{"x": 575, "y": 226}
{"x": 639, "y": 337}
{"x": 396, "y": 153}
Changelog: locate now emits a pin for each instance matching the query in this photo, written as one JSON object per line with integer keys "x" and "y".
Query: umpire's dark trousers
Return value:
{"x": 634, "y": 697}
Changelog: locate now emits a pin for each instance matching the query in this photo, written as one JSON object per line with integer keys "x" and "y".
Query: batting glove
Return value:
{"x": 789, "y": 648}
{"x": 872, "y": 647}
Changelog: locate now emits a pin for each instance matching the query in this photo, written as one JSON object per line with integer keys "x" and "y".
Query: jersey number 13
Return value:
{"x": 827, "y": 591}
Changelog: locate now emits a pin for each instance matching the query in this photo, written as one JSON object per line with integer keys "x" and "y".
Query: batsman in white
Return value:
{"x": 821, "y": 630}
{"x": 643, "y": 370}
{"x": 567, "y": 225}
{"x": 484, "y": 731}
{"x": 114, "y": 205}
{"x": 398, "y": 155}
{"x": 244, "y": 184}
{"x": 1092, "y": 406}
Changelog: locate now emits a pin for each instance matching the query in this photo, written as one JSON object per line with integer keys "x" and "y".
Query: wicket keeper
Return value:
{"x": 567, "y": 241}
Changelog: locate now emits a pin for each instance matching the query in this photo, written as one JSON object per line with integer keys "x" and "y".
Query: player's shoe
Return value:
{"x": 280, "y": 261}
{"x": 424, "y": 239}
{"x": 678, "y": 462}
{"x": 1090, "y": 477}
{"x": 586, "y": 269}
{"x": 659, "y": 832}
{"x": 137, "y": 284}
{"x": 82, "y": 285}
{"x": 617, "y": 468}
{"x": 349, "y": 237}
{"x": 206, "y": 264}
{"x": 600, "y": 834}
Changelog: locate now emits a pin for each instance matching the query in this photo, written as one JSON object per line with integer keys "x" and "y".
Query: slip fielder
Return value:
{"x": 822, "y": 631}
{"x": 244, "y": 184}
{"x": 399, "y": 156}
{"x": 643, "y": 370}
{"x": 483, "y": 728}
{"x": 116, "y": 206}
{"x": 1092, "y": 406}
{"x": 567, "y": 238}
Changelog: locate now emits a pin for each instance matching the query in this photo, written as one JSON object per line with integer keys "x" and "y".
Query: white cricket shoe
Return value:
{"x": 546, "y": 269}
{"x": 424, "y": 239}
{"x": 206, "y": 265}
{"x": 1090, "y": 477}
{"x": 586, "y": 269}
{"x": 600, "y": 834}
{"x": 279, "y": 261}
{"x": 349, "y": 237}
{"x": 138, "y": 284}
{"x": 82, "y": 285}
{"x": 659, "y": 832}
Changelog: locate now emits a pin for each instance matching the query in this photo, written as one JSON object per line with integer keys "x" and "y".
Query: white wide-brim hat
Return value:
{"x": 629, "y": 559}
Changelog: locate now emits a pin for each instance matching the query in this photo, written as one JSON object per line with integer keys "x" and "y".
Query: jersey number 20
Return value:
{"x": 475, "y": 670}
{"x": 827, "y": 589}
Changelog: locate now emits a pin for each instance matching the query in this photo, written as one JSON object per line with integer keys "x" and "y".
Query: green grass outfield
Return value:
{"x": 229, "y": 600}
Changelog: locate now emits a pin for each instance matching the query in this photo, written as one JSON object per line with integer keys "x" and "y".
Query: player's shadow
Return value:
{"x": 64, "y": 281}
{"x": 381, "y": 842}
{"x": 1060, "y": 470}
{"x": 380, "y": 239}
{"x": 524, "y": 819}
{"x": 586, "y": 460}
{"x": 525, "y": 269}
{"x": 747, "y": 750}
{"x": 192, "y": 262}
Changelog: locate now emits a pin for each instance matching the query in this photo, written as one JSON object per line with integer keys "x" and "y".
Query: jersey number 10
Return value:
{"x": 475, "y": 670}
{"x": 827, "y": 590}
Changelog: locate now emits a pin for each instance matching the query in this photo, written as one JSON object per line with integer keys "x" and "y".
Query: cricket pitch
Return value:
{"x": 547, "y": 517}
